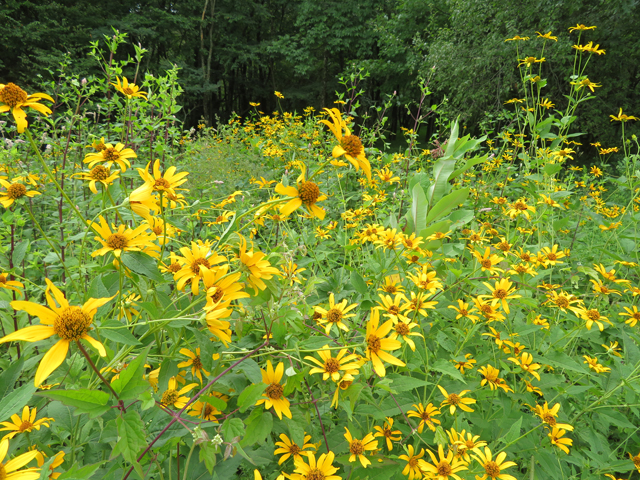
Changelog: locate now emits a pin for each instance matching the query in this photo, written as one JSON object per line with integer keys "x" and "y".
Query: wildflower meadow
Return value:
{"x": 286, "y": 295}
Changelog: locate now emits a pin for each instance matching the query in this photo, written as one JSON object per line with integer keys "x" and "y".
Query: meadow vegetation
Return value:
{"x": 283, "y": 296}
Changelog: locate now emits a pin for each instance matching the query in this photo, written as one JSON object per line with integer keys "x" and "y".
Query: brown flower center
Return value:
{"x": 161, "y": 184}
{"x": 636, "y": 460}
{"x": 315, "y": 474}
{"x": 425, "y": 416}
{"x": 294, "y": 449}
{"x": 25, "y": 426}
{"x": 174, "y": 267}
{"x": 549, "y": 419}
{"x": 525, "y": 257}
{"x": 158, "y": 230}
{"x": 3, "y": 278}
{"x": 195, "y": 265}
{"x": 356, "y": 447}
{"x": 128, "y": 91}
{"x": 444, "y": 468}
{"x": 208, "y": 411}
{"x": 486, "y": 263}
{"x": 316, "y": 316}
{"x": 110, "y": 154}
{"x": 503, "y": 246}
{"x": 387, "y": 432}
{"x": 562, "y": 302}
{"x": 374, "y": 343}
{"x": 413, "y": 462}
{"x": 352, "y": 145}
{"x": 519, "y": 205}
{"x": 217, "y": 296}
{"x": 16, "y": 190}
{"x": 12, "y": 96}
{"x": 394, "y": 309}
{"x": 552, "y": 256}
{"x": 500, "y": 293}
{"x": 390, "y": 289}
{"x": 117, "y": 241}
{"x": 197, "y": 363}
{"x": 71, "y": 324}
{"x": 334, "y": 315}
{"x": 402, "y": 329}
{"x": 99, "y": 173}
{"x": 169, "y": 397}
{"x": 454, "y": 399}
{"x": 274, "y": 391}
{"x": 331, "y": 365}
{"x": 492, "y": 469}
{"x": 308, "y": 193}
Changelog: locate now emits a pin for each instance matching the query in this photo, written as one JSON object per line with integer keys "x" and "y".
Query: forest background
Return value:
{"x": 233, "y": 52}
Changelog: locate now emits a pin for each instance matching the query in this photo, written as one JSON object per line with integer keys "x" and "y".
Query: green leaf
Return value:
{"x": 419, "y": 207}
{"x": 296, "y": 431}
{"x": 130, "y": 383}
{"x": 447, "y": 368}
{"x": 92, "y": 402}
{"x": 215, "y": 401}
{"x": 258, "y": 429}
{"x": 358, "y": 283}
{"x": 208, "y": 455}
{"x": 442, "y": 169}
{"x": 132, "y": 438}
{"x": 552, "y": 168}
{"x": 453, "y": 138}
{"x": 562, "y": 360}
{"x": 15, "y": 401}
{"x": 448, "y": 203}
{"x": 404, "y": 383}
{"x": 232, "y": 428}
{"x": 119, "y": 333}
{"x": 469, "y": 163}
{"x": 142, "y": 264}
{"x": 19, "y": 251}
{"x": 514, "y": 431}
{"x": 10, "y": 376}
{"x": 84, "y": 473}
{"x": 250, "y": 396}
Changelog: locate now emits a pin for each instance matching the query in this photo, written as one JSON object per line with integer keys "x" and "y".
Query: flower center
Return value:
{"x": 552, "y": 256}
{"x": 486, "y": 263}
{"x": 217, "y": 296}
{"x": 158, "y": 230}
{"x": 99, "y": 173}
{"x": 390, "y": 289}
{"x": 308, "y": 193}
{"x": 195, "y": 265}
{"x": 208, "y": 410}
{"x": 331, "y": 365}
{"x": 374, "y": 343}
{"x": 71, "y": 324}
{"x": 197, "y": 363}
{"x": 3, "y": 278}
{"x": 317, "y": 316}
{"x": 315, "y": 474}
{"x": 454, "y": 399}
{"x": 352, "y": 145}
{"x": 334, "y": 315}
{"x": 425, "y": 416}
{"x": 161, "y": 184}
{"x": 402, "y": 329}
{"x": 110, "y": 154}
{"x": 274, "y": 391}
{"x": 128, "y": 91}
{"x": 636, "y": 315}
{"x": 117, "y": 241}
{"x": 503, "y": 246}
{"x": 169, "y": 397}
{"x": 387, "y": 432}
{"x": 549, "y": 419}
{"x": 500, "y": 293}
{"x": 492, "y": 469}
{"x": 16, "y": 190}
{"x": 444, "y": 469}
{"x": 394, "y": 309}
{"x": 413, "y": 462}
{"x": 294, "y": 449}
{"x": 3, "y": 472}
{"x": 25, "y": 426}
{"x": 174, "y": 267}
{"x": 593, "y": 314}
{"x": 635, "y": 460}
{"x": 12, "y": 95}
{"x": 521, "y": 206}
{"x": 562, "y": 302}
{"x": 356, "y": 447}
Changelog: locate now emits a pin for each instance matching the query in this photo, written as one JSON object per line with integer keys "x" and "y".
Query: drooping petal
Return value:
{"x": 95, "y": 344}
{"x": 29, "y": 334}
{"x": 51, "y": 360}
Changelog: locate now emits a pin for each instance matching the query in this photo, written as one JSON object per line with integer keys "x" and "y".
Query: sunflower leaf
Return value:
{"x": 142, "y": 264}
{"x": 131, "y": 383}
{"x": 250, "y": 396}
{"x": 17, "y": 399}
{"x": 92, "y": 402}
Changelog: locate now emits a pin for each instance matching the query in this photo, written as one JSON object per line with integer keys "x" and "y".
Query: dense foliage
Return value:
{"x": 277, "y": 297}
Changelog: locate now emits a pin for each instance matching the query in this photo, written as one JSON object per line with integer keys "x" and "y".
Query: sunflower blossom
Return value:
{"x": 358, "y": 448}
{"x": 26, "y": 423}
{"x": 68, "y": 323}
{"x": 305, "y": 193}
{"x": 129, "y": 90}
{"x": 274, "y": 393}
{"x": 350, "y": 146}
{"x": 10, "y": 469}
{"x": 14, "y": 99}
{"x": 378, "y": 346}
{"x": 320, "y": 469}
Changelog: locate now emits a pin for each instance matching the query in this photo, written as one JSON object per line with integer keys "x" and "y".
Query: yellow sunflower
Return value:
{"x": 388, "y": 433}
{"x": 10, "y": 284}
{"x": 258, "y": 266}
{"x": 456, "y": 400}
{"x": 274, "y": 393}
{"x": 350, "y": 146}
{"x": 358, "y": 448}
{"x": 14, "y": 191}
{"x": 10, "y": 469}
{"x": 304, "y": 193}
{"x": 123, "y": 239}
{"x": 289, "y": 448}
{"x": 129, "y": 90}
{"x": 378, "y": 346}
{"x": 443, "y": 466}
{"x": 27, "y": 423}
{"x": 69, "y": 323}
{"x": 330, "y": 367}
{"x": 100, "y": 174}
{"x": 425, "y": 414}
{"x": 169, "y": 182}
{"x": 194, "y": 362}
{"x": 493, "y": 468}
{"x": 199, "y": 254}
{"x": 173, "y": 396}
{"x": 412, "y": 468}
{"x": 14, "y": 99}
{"x": 336, "y": 313}
{"x": 111, "y": 154}
{"x": 321, "y": 469}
